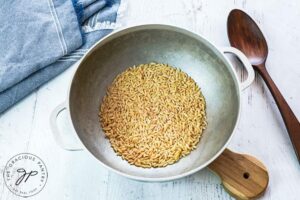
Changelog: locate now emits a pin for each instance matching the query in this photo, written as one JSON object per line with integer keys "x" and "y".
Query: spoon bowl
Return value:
{"x": 246, "y": 36}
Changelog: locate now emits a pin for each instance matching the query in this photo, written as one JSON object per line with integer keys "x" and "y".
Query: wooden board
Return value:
{"x": 242, "y": 175}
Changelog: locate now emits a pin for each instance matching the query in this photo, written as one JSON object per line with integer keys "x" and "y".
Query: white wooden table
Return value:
{"x": 261, "y": 132}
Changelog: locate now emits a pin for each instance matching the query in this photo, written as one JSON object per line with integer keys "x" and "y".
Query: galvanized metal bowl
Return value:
{"x": 177, "y": 47}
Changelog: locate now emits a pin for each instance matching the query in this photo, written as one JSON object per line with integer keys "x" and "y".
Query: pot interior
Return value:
{"x": 162, "y": 44}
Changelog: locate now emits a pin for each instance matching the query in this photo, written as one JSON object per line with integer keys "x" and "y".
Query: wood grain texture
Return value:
{"x": 260, "y": 132}
{"x": 242, "y": 175}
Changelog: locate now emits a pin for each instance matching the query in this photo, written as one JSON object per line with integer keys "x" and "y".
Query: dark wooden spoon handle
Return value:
{"x": 289, "y": 118}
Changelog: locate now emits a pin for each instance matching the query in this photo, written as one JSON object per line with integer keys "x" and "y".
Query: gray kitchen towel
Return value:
{"x": 40, "y": 39}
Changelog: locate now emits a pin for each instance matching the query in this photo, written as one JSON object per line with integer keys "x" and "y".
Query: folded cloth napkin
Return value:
{"x": 40, "y": 39}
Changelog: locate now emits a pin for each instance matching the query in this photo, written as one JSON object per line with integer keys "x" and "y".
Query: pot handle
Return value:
{"x": 242, "y": 175}
{"x": 246, "y": 64}
{"x": 55, "y": 130}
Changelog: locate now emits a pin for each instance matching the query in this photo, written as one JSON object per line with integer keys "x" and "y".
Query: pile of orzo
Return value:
{"x": 153, "y": 114}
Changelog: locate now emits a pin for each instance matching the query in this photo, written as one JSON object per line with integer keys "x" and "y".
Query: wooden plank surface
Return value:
{"x": 261, "y": 132}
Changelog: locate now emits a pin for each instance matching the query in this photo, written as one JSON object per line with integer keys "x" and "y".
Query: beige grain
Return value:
{"x": 153, "y": 115}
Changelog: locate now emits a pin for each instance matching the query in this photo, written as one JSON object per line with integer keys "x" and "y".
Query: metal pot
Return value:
{"x": 195, "y": 55}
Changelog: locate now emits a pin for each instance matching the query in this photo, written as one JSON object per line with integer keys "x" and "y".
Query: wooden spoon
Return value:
{"x": 245, "y": 35}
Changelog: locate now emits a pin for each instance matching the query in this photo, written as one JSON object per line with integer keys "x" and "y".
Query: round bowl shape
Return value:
{"x": 162, "y": 44}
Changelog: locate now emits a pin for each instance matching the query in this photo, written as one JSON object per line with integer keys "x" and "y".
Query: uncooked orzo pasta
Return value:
{"x": 153, "y": 114}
